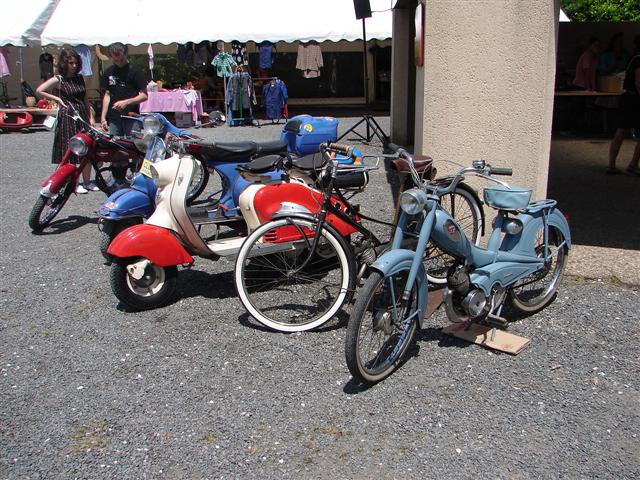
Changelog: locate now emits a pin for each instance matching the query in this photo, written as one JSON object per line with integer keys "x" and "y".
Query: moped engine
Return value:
{"x": 462, "y": 301}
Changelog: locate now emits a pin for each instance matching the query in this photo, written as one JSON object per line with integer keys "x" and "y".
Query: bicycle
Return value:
{"x": 294, "y": 272}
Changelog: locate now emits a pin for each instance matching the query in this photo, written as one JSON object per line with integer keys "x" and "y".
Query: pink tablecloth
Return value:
{"x": 178, "y": 101}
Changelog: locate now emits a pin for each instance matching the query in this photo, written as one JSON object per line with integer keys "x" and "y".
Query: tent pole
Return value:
{"x": 366, "y": 71}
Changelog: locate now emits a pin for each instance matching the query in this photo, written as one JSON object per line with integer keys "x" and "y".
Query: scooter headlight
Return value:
{"x": 413, "y": 201}
{"x": 152, "y": 125}
{"x": 154, "y": 173}
{"x": 78, "y": 146}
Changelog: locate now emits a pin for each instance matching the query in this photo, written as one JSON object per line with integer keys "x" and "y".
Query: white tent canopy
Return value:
{"x": 24, "y": 21}
{"x": 142, "y": 21}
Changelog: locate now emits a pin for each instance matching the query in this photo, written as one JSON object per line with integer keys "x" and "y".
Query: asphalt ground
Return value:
{"x": 198, "y": 390}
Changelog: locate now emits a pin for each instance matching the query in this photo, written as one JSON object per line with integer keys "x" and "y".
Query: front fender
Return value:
{"x": 52, "y": 184}
{"x": 151, "y": 242}
{"x": 399, "y": 259}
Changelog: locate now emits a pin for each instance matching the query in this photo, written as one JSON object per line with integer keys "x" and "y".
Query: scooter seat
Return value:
{"x": 264, "y": 164}
{"x": 240, "y": 151}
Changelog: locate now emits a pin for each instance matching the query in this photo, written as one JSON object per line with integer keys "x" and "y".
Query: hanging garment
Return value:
{"x": 85, "y": 55}
{"x": 4, "y": 62}
{"x": 309, "y": 60}
{"x": 201, "y": 54}
{"x": 266, "y": 55}
{"x": 239, "y": 53}
{"x": 46, "y": 65}
{"x": 274, "y": 98}
{"x": 240, "y": 92}
{"x": 224, "y": 63}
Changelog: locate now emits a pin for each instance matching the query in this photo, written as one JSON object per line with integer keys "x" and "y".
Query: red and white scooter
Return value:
{"x": 146, "y": 257}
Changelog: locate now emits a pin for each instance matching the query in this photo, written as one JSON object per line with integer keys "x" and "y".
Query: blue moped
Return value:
{"x": 523, "y": 262}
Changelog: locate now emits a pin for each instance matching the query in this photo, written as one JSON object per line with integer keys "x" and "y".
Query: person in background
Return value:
{"x": 629, "y": 111}
{"x": 587, "y": 66}
{"x": 614, "y": 59}
{"x": 71, "y": 92}
{"x": 125, "y": 88}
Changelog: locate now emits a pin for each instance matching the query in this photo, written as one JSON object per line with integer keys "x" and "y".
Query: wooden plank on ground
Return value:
{"x": 481, "y": 335}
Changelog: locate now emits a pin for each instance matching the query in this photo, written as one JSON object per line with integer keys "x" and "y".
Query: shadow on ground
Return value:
{"x": 603, "y": 210}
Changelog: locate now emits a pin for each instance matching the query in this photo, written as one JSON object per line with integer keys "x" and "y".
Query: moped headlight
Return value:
{"x": 154, "y": 173}
{"x": 152, "y": 125}
{"x": 78, "y": 146}
{"x": 413, "y": 201}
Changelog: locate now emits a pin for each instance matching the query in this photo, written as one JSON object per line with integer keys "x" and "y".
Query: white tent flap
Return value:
{"x": 142, "y": 21}
{"x": 24, "y": 20}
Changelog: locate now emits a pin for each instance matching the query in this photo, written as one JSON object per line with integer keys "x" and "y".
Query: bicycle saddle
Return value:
{"x": 423, "y": 164}
{"x": 238, "y": 151}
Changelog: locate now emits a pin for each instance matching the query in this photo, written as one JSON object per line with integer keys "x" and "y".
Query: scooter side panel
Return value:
{"x": 504, "y": 273}
{"x": 269, "y": 199}
{"x": 56, "y": 179}
{"x": 153, "y": 243}
{"x": 399, "y": 259}
{"x": 126, "y": 203}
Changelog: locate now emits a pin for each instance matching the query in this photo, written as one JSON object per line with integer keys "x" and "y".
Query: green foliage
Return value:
{"x": 602, "y": 10}
{"x": 166, "y": 68}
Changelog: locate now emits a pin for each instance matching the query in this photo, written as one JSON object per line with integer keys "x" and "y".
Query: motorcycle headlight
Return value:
{"x": 78, "y": 146}
{"x": 152, "y": 125}
{"x": 413, "y": 201}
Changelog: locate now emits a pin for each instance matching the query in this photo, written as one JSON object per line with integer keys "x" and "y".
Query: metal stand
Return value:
{"x": 373, "y": 129}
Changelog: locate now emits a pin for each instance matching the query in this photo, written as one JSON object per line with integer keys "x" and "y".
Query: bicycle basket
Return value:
{"x": 504, "y": 198}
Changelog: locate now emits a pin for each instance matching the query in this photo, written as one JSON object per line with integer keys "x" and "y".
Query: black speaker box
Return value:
{"x": 363, "y": 8}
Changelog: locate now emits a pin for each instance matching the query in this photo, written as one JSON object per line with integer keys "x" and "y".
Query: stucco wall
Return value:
{"x": 487, "y": 85}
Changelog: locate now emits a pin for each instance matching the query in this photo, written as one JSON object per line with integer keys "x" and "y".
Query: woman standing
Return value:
{"x": 71, "y": 91}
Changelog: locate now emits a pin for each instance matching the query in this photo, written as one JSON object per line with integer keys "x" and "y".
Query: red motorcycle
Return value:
{"x": 114, "y": 159}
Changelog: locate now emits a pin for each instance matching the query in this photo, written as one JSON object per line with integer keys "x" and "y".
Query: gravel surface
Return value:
{"x": 197, "y": 390}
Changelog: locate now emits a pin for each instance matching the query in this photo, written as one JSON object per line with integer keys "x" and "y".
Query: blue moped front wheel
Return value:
{"x": 381, "y": 327}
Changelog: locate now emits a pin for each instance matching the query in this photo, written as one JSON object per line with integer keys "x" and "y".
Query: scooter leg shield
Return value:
{"x": 153, "y": 243}
{"x": 52, "y": 184}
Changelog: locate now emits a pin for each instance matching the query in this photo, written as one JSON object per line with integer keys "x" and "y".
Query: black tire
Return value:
{"x": 465, "y": 207}
{"x": 280, "y": 295}
{"x": 533, "y": 293}
{"x": 198, "y": 182}
{"x": 46, "y": 208}
{"x": 110, "y": 179}
{"x": 110, "y": 230}
{"x": 374, "y": 322}
{"x": 154, "y": 290}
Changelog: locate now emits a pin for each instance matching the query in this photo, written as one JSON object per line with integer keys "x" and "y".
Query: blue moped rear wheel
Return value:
{"x": 531, "y": 294}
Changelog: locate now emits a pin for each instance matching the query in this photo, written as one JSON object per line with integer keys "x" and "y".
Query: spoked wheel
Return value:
{"x": 381, "y": 327}
{"x": 466, "y": 209}
{"x": 46, "y": 208}
{"x": 536, "y": 291}
{"x": 154, "y": 287}
{"x": 283, "y": 292}
{"x": 112, "y": 178}
{"x": 198, "y": 182}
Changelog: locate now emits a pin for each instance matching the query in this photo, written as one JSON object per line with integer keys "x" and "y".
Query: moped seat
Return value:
{"x": 263, "y": 164}
{"x": 240, "y": 151}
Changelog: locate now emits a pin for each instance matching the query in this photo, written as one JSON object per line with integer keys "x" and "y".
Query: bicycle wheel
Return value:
{"x": 380, "y": 329}
{"x": 531, "y": 294}
{"x": 466, "y": 209}
{"x": 275, "y": 287}
{"x": 198, "y": 182}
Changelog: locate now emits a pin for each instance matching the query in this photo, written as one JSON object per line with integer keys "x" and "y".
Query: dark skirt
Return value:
{"x": 629, "y": 111}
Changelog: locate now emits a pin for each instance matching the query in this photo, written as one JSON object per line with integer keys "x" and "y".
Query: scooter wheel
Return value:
{"x": 110, "y": 230}
{"x": 155, "y": 288}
